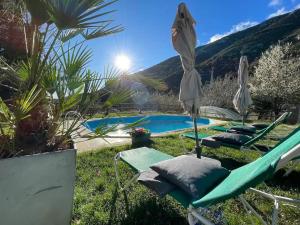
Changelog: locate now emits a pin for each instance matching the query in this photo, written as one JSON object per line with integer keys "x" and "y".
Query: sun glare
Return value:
{"x": 123, "y": 62}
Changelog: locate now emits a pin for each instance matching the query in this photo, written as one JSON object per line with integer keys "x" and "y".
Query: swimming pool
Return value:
{"x": 157, "y": 124}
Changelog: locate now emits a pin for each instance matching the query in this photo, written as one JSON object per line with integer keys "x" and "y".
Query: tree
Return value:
{"x": 220, "y": 92}
{"x": 277, "y": 78}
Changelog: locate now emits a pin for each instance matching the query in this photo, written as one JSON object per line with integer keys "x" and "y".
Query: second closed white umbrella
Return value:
{"x": 242, "y": 100}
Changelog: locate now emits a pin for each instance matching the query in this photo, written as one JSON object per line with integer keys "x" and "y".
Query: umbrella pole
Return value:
{"x": 197, "y": 147}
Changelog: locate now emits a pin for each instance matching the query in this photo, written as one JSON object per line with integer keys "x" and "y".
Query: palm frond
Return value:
{"x": 117, "y": 97}
{"x": 70, "y": 14}
{"x": 6, "y": 116}
{"x": 104, "y": 129}
{"x": 69, "y": 34}
{"x": 110, "y": 75}
{"x": 72, "y": 65}
{"x": 71, "y": 100}
{"x": 50, "y": 79}
{"x": 92, "y": 82}
{"x": 24, "y": 71}
{"x": 27, "y": 102}
{"x": 154, "y": 83}
{"x": 97, "y": 86}
{"x": 101, "y": 31}
{"x": 73, "y": 61}
{"x": 8, "y": 72}
{"x": 136, "y": 123}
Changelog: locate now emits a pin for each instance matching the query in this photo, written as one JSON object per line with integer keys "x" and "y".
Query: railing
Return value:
{"x": 148, "y": 107}
{"x": 176, "y": 108}
{"x": 127, "y": 107}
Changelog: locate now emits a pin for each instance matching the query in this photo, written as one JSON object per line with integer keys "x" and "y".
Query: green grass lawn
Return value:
{"x": 97, "y": 200}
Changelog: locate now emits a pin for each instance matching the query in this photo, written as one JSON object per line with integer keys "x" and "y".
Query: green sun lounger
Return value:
{"x": 228, "y": 129}
{"x": 240, "y": 141}
{"x": 192, "y": 135}
{"x": 219, "y": 128}
{"x": 225, "y": 129}
{"x": 235, "y": 185}
{"x": 248, "y": 130}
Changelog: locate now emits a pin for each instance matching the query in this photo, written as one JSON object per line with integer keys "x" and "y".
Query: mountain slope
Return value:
{"x": 223, "y": 55}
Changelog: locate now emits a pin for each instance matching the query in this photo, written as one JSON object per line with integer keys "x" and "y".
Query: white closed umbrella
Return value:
{"x": 184, "y": 42}
{"x": 242, "y": 100}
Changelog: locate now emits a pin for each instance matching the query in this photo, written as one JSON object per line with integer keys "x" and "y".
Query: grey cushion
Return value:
{"x": 210, "y": 160}
{"x": 210, "y": 142}
{"x": 243, "y": 129}
{"x": 229, "y": 138}
{"x": 194, "y": 176}
{"x": 155, "y": 182}
{"x": 260, "y": 126}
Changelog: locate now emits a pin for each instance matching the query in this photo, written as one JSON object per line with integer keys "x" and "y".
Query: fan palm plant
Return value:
{"x": 54, "y": 78}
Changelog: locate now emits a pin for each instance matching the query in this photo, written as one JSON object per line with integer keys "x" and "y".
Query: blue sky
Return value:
{"x": 147, "y": 23}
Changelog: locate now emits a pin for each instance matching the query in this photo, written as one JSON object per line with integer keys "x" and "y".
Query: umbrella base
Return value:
{"x": 198, "y": 151}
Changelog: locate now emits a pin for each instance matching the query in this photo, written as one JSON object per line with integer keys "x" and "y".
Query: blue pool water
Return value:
{"x": 157, "y": 124}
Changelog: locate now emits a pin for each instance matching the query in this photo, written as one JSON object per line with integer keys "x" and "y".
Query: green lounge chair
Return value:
{"x": 250, "y": 130}
{"x": 240, "y": 141}
{"x": 247, "y": 130}
{"x": 234, "y": 185}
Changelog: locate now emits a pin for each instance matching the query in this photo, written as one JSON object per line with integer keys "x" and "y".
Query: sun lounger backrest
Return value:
{"x": 288, "y": 136}
{"x": 250, "y": 175}
{"x": 268, "y": 129}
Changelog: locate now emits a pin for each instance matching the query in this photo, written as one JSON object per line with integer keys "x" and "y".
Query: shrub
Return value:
{"x": 220, "y": 92}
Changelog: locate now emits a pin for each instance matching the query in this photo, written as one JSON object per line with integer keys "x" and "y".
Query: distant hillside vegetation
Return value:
{"x": 224, "y": 54}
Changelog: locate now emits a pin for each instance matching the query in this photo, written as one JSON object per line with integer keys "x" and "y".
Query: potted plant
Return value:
{"x": 139, "y": 136}
{"x": 37, "y": 156}
{"x": 37, "y": 166}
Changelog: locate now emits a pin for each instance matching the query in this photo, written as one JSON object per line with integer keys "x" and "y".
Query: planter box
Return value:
{"x": 37, "y": 189}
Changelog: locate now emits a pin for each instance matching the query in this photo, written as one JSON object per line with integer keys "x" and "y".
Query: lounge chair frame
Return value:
{"x": 196, "y": 214}
{"x": 129, "y": 182}
{"x": 295, "y": 163}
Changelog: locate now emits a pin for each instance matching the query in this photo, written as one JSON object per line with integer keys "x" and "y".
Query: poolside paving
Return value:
{"x": 84, "y": 144}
